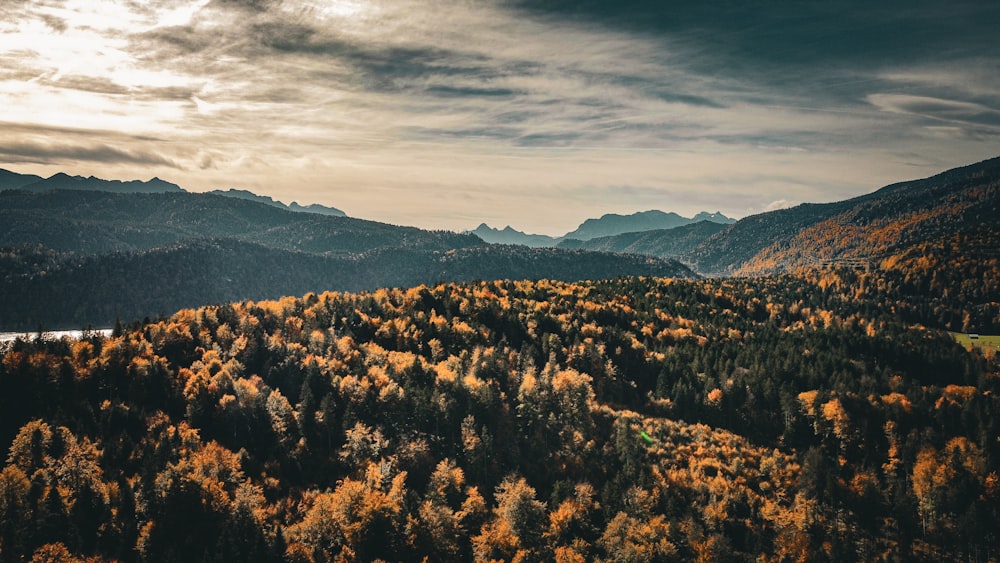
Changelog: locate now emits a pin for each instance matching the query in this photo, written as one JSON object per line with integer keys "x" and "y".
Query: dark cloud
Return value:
{"x": 57, "y": 153}
{"x": 462, "y": 92}
{"x": 549, "y": 140}
{"x": 812, "y": 49}
{"x": 96, "y": 84}
{"x": 250, "y": 5}
{"x": 437, "y": 134}
{"x": 101, "y": 85}
{"x": 57, "y": 24}
{"x": 798, "y": 31}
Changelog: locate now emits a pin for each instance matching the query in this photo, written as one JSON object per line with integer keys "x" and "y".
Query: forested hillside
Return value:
{"x": 771, "y": 419}
{"x": 100, "y": 222}
{"x": 890, "y": 222}
{"x": 42, "y": 288}
{"x": 893, "y": 221}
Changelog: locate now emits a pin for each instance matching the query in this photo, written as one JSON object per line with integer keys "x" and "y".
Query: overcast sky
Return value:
{"x": 537, "y": 114}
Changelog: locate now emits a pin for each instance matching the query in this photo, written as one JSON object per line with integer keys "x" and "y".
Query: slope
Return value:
{"x": 886, "y": 222}
{"x": 98, "y": 222}
{"x": 957, "y": 212}
{"x": 40, "y": 289}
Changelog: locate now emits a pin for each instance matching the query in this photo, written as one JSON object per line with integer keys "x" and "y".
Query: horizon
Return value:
{"x": 534, "y": 114}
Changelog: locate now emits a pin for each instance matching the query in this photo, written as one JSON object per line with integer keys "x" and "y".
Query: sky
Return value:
{"x": 532, "y": 113}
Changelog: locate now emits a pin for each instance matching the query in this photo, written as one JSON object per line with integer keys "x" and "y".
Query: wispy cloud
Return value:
{"x": 531, "y": 113}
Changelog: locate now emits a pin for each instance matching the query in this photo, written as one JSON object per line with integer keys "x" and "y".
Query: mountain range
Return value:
{"x": 62, "y": 181}
{"x": 607, "y": 225}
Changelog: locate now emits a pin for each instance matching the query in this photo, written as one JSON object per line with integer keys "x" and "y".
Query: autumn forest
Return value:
{"x": 642, "y": 419}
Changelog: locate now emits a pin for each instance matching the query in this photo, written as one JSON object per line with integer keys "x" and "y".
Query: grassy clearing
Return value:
{"x": 984, "y": 342}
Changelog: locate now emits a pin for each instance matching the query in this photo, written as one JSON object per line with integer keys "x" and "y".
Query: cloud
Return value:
{"x": 54, "y": 153}
{"x": 778, "y": 204}
{"x": 937, "y": 109}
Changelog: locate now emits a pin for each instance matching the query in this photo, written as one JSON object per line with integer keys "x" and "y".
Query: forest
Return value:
{"x": 821, "y": 415}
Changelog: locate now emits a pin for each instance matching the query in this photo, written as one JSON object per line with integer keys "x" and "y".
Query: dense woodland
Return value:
{"x": 40, "y": 288}
{"x": 816, "y": 417}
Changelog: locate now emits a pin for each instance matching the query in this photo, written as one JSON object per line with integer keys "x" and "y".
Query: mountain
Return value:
{"x": 62, "y": 181}
{"x": 614, "y": 224}
{"x": 12, "y": 180}
{"x": 716, "y": 217}
{"x": 100, "y": 222}
{"x": 882, "y": 227}
{"x": 510, "y": 236}
{"x": 674, "y": 242}
{"x": 294, "y": 206}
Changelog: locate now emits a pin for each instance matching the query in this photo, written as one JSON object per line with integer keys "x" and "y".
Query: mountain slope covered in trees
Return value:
{"x": 891, "y": 222}
{"x": 99, "y": 222}
{"x": 641, "y": 419}
{"x": 45, "y": 289}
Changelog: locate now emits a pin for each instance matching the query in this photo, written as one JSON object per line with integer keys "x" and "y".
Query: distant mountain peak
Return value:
{"x": 716, "y": 217}
{"x": 611, "y": 224}
{"x": 64, "y": 181}
{"x": 510, "y": 235}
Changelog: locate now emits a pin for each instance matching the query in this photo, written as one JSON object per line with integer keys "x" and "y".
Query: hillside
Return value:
{"x": 43, "y": 288}
{"x": 674, "y": 242}
{"x": 100, "y": 222}
{"x": 891, "y": 222}
{"x": 12, "y": 180}
{"x": 768, "y": 419}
